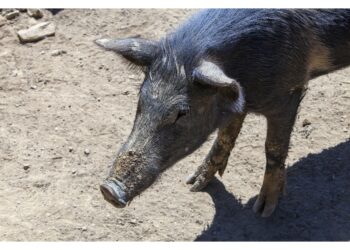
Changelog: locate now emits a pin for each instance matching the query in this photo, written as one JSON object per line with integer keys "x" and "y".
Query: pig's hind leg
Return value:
{"x": 279, "y": 128}
{"x": 216, "y": 160}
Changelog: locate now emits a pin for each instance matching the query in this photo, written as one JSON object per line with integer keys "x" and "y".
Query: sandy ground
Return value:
{"x": 85, "y": 99}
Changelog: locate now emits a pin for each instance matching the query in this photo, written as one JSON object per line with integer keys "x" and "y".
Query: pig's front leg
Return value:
{"x": 216, "y": 160}
{"x": 279, "y": 128}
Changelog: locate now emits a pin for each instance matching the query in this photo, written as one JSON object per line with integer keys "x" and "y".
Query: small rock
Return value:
{"x": 133, "y": 222}
{"x": 70, "y": 149}
{"x": 306, "y": 122}
{"x": 36, "y": 13}
{"x": 84, "y": 229}
{"x": 54, "y": 11}
{"x": 126, "y": 92}
{"x": 199, "y": 222}
{"x": 74, "y": 171}
{"x": 58, "y": 52}
{"x": 11, "y": 15}
{"x": 2, "y": 21}
{"x": 41, "y": 184}
{"x": 26, "y": 166}
{"x": 57, "y": 157}
{"x": 22, "y": 10}
{"x": 33, "y": 87}
{"x": 37, "y": 32}
{"x": 86, "y": 151}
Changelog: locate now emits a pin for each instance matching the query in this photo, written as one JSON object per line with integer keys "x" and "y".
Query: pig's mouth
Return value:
{"x": 113, "y": 192}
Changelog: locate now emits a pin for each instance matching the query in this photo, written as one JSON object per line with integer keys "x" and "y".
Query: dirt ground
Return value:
{"x": 53, "y": 108}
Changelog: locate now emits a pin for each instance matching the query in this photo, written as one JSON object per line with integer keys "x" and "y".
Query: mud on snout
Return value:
{"x": 131, "y": 174}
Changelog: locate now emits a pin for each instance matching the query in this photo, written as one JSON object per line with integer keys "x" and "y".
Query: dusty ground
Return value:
{"x": 85, "y": 100}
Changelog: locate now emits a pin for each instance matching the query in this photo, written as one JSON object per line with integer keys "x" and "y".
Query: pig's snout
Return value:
{"x": 113, "y": 192}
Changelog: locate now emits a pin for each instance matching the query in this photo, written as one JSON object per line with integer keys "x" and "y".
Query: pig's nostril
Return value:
{"x": 105, "y": 192}
{"x": 113, "y": 194}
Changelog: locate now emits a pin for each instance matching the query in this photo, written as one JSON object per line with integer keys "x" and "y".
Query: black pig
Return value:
{"x": 208, "y": 74}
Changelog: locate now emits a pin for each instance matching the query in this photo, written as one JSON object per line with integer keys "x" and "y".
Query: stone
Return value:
{"x": 3, "y": 21}
{"x": 86, "y": 151}
{"x": 306, "y": 122}
{"x": 11, "y": 15}
{"x": 58, "y": 52}
{"x": 26, "y": 166}
{"x": 37, "y": 32}
{"x": 36, "y": 13}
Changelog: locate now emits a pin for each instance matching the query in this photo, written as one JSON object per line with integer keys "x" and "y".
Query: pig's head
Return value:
{"x": 182, "y": 100}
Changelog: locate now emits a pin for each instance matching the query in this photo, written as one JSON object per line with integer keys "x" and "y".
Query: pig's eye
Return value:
{"x": 181, "y": 113}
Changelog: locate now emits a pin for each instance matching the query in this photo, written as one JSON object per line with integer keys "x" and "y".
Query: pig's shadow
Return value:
{"x": 317, "y": 206}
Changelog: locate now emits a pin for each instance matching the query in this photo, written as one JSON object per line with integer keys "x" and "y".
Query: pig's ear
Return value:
{"x": 210, "y": 74}
{"x": 139, "y": 51}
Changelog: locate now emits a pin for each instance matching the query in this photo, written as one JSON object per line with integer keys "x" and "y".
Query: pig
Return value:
{"x": 207, "y": 75}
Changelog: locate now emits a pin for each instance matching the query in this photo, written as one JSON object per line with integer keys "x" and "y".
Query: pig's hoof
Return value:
{"x": 198, "y": 182}
{"x": 204, "y": 174}
{"x": 267, "y": 201}
{"x": 273, "y": 186}
{"x": 265, "y": 205}
{"x": 201, "y": 177}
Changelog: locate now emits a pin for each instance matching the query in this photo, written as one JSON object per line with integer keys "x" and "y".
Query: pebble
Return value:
{"x": 33, "y": 87}
{"x": 12, "y": 15}
{"x": 133, "y": 222}
{"x": 26, "y": 166}
{"x": 86, "y": 151}
{"x": 36, "y": 13}
{"x": 37, "y": 32}
{"x": 2, "y": 21}
{"x": 58, "y": 52}
{"x": 306, "y": 122}
{"x": 199, "y": 222}
{"x": 70, "y": 149}
{"x": 41, "y": 184}
{"x": 74, "y": 171}
{"x": 126, "y": 92}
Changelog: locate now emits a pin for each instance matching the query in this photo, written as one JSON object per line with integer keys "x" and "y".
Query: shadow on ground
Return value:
{"x": 317, "y": 206}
